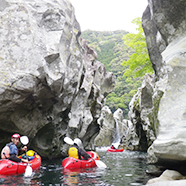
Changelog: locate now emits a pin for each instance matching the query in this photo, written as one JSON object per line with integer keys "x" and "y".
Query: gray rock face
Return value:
{"x": 51, "y": 85}
{"x": 114, "y": 129}
{"x": 168, "y": 177}
{"x": 107, "y": 128}
{"x": 165, "y": 26}
{"x": 142, "y": 114}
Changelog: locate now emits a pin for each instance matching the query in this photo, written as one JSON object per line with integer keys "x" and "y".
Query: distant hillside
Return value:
{"x": 112, "y": 51}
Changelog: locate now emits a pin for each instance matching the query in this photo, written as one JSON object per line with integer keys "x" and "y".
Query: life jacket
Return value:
{"x": 73, "y": 152}
{"x": 30, "y": 155}
{"x": 5, "y": 153}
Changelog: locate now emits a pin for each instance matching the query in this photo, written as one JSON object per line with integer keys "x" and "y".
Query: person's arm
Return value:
{"x": 25, "y": 160}
{"x": 83, "y": 153}
{"x": 22, "y": 149}
{"x": 14, "y": 157}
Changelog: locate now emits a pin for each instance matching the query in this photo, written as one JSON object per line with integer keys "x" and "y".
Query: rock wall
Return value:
{"x": 161, "y": 113}
{"x": 114, "y": 129}
{"x": 107, "y": 125}
{"x": 51, "y": 84}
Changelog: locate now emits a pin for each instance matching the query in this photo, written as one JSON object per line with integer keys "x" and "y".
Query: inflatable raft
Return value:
{"x": 73, "y": 163}
{"x": 114, "y": 150}
{"x": 8, "y": 167}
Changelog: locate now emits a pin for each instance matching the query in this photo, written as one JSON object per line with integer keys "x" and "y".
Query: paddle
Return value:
{"x": 28, "y": 171}
{"x": 24, "y": 140}
{"x": 99, "y": 163}
{"x": 68, "y": 141}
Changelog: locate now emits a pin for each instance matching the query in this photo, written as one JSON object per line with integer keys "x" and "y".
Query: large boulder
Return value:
{"x": 169, "y": 23}
{"x": 142, "y": 114}
{"x": 114, "y": 129}
{"x": 169, "y": 178}
{"x": 163, "y": 110}
{"x": 107, "y": 128}
{"x": 51, "y": 84}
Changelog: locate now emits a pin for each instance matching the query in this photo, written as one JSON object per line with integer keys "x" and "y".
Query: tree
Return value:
{"x": 112, "y": 51}
{"x": 139, "y": 63}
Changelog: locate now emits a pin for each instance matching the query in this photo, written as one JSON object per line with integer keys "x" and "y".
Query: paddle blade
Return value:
{"x": 68, "y": 141}
{"x": 100, "y": 164}
{"x": 24, "y": 140}
{"x": 28, "y": 171}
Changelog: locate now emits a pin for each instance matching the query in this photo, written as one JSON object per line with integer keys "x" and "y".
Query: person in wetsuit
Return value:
{"x": 76, "y": 151}
{"x": 13, "y": 150}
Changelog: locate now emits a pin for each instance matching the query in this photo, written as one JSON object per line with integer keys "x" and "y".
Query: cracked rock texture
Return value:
{"x": 51, "y": 84}
{"x": 159, "y": 107}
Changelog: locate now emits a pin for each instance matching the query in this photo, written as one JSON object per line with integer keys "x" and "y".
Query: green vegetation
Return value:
{"x": 117, "y": 50}
{"x": 139, "y": 63}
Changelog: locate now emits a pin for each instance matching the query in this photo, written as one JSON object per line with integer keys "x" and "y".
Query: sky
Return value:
{"x": 108, "y": 15}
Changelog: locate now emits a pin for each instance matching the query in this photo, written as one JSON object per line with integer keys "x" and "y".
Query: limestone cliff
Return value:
{"x": 51, "y": 84}
{"x": 160, "y": 104}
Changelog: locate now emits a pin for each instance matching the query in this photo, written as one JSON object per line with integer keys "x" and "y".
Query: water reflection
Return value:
{"x": 71, "y": 179}
{"x": 124, "y": 169}
{"x": 18, "y": 180}
{"x": 90, "y": 176}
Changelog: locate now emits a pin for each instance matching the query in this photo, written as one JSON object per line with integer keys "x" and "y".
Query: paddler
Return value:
{"x": 77, "y": 151}
{"x": 10, "y": 151}
{"x": 112, "y": 147}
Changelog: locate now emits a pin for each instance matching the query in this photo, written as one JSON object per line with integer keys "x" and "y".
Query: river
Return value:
{"x": 127, "y": 168}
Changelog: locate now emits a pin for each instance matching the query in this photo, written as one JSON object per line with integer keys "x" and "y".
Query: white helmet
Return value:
{"x": 78, "y": 142}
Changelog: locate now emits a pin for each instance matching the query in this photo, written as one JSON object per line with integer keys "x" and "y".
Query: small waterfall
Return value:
{"x": 117, "y": 136}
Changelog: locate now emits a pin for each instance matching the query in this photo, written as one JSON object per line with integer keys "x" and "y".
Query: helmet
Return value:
{"x": 30, "y": 153}
{"x": 15, "y": 136}
{"x": 78, "y": 142}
